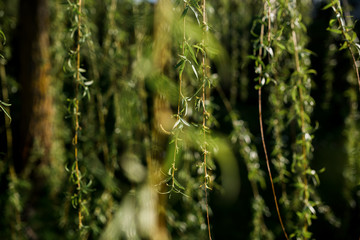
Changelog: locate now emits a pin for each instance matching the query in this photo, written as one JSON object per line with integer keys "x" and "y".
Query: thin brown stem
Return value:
{"x": 178, "y": 108}
{"x": 268, "y": 165}
{"x": 204, "y": 116}
{"x": 77, "y": 112}
{"x": 260, "y": 118}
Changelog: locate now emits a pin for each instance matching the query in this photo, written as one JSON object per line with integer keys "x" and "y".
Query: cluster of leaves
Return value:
{"x": 193, "y": 54}
{"x": 290, "y": 98}
{"x": 298, "y": 93}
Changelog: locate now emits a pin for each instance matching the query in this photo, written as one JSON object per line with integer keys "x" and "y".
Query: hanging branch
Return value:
{"x": 347, "y": 32}
{"x": 262, "y": 82}
{"x": 303, "y": 132}
{"x": 73, "y": 66}
{"x": 174, "y": 183}
{"x": 205, "y": 113}
{"x": 302, "y": 104}
{"x": 171, "y": 181}
{"x": 78, "y": 179}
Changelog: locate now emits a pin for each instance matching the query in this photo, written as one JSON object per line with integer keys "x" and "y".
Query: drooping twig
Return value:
{"x": 77, "y": 126}
{"x": 260, "y": 115}
{"x": 205, "y": 115}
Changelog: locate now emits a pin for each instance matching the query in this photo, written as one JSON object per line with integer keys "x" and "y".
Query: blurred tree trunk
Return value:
{"x": 33, "y": 128}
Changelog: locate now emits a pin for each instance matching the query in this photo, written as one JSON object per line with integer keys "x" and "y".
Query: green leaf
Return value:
{"x": 185, "y": 122}
{"x": 185, "y": 12}
{"x": 332, "y": 22}
{"x": 182, "y": 68}
{"x": 179, "y": 63}
{"x": 344, "y": 46}
{"x": 5, "y": 104}
{"x": 252, "y": 57}
{"x": 192, "y": 53}
{"x": 199, "y": 48}
{"x": 6, "y": 113}
{"x": 3, "y": 37}
{"x": 270, "y": 51}
{"x": 178, "y": 184}
{"x": 88, "y": 83}
{"x": 195, "y": 13}
{"x": 194, "y": 70}
{"x": 337, "y": 31}
{"x": 176, "y": 124}
{"x": 311, "y": 71}
{"x": 330, "y": 5}
{"x": 280, "y": 45}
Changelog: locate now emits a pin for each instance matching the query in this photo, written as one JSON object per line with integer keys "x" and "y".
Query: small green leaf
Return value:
{"x": 3, "y": 37}
{"x": 179, "y": 63}
{"x": 191, "y": 52}
{"x": 185, "y": 11}
{"x": 5, "y": 104}
{"x": 194, "y": 70}
{"x": 185, "y": 122}
{"x": 330, "y": 5}
{"x": 6, "y": 113}
{"x": 337, "y": 31}
{"x": 178, "y": 184}
{"x": 332, "y": 22}
{"x": 344, "y": 46}
{"x": 176, "y": 124}
{"x": 88, "y": 83}
{"x": 311, "y": 71}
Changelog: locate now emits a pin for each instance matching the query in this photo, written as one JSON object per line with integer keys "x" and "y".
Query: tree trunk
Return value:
{"x": 33, "y": 137}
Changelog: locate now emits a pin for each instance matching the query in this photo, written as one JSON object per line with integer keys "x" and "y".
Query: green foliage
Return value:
{"x": 157, "y": 125}
{"x": 79, "y": 34}
{"x": 2, "y": 106}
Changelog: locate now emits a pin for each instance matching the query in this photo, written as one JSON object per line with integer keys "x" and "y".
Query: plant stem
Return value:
{"x": 304, "y": 157}
{"x": 205, "y": 114}
{"x": 343, "y": 29}
{"x": 260, "y": 116}
{"x": 77, "y": 112}
{"x": 178, "y": 108}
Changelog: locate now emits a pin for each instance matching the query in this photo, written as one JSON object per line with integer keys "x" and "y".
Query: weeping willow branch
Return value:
{"x": 297, "y": 64}
{"x": 78, "y": 180}
{"x": 261, "y": 83}
{"x": 205, "y": 113}
{"x": 347, "y": 32}
{"x": 174, "y": 184}
{"x": 303, "y": 106}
